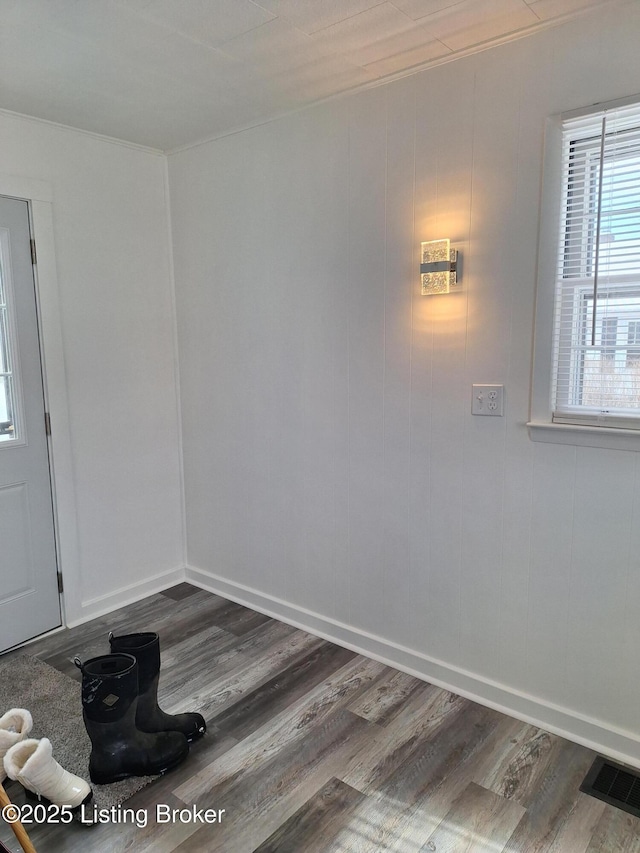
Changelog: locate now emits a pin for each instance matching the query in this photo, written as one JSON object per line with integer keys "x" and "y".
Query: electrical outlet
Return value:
{"x": 488, "y": 400}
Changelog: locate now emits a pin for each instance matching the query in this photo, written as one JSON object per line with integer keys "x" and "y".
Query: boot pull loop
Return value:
{"x": 77, "y": 662}
{"x": 110, "y": 636}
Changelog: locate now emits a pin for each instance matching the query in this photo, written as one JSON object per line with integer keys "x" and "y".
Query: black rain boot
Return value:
{"x": 145, "y": 648}
{"x": 109, "y": 705}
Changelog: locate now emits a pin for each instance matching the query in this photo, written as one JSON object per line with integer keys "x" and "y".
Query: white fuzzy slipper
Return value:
{"x": 15, "y": 725}
{"x": 31, "y": 763}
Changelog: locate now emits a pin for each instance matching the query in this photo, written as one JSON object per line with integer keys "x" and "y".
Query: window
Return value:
{"x": 596, "y": 332}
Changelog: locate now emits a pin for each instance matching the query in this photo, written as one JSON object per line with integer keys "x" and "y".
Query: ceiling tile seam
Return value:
{"x": 145, "y": 16}
{"x": 216, "y": 48}
{"x": 430, "y": 14}
{"x": 410, "y": 21}
{"x": 530, "y": 7}
{"x": 527, "y": 5}
{"x": 220, "y": 47}
{"x": 335, "y": 23}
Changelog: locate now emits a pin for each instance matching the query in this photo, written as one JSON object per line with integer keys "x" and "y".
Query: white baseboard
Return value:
{"x": 620, "y": 745}
{"x": 104, "y": 604}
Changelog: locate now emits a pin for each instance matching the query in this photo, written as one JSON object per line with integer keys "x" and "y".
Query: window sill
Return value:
{"x": 584, "y": 436}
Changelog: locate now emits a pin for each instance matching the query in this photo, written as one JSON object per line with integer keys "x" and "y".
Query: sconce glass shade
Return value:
{"x": 438, "y": 269}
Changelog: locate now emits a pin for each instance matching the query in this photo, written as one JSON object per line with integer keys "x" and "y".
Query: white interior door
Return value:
{"x": 29, "y": 597}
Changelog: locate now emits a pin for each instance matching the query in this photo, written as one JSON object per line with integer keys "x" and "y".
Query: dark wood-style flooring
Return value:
{"x": 313, "y": 748}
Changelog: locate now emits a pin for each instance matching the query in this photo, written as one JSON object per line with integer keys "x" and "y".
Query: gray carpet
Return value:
{"x": 54, "y": 702}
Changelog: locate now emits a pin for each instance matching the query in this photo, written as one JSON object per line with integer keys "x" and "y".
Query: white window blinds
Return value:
{"x": 597, "y": 317}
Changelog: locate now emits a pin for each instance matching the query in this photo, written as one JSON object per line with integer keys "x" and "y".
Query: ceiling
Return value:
{"x": 168, "y": 73}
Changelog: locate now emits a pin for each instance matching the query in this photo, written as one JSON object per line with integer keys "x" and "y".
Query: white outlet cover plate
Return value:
{"x": 488, "y": 400}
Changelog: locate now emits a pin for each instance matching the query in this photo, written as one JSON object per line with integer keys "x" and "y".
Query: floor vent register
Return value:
{"x": 615, "y": 784}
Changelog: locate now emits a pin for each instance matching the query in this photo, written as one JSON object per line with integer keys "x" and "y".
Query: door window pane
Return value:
{"x": 7, "y": 375}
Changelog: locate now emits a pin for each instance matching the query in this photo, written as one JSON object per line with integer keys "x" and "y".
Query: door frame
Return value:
{"x": 39, "y": 196}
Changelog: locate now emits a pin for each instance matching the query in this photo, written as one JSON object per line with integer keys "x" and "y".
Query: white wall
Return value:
{"x": 334, "y": 473}
{"x": 110, "y": 217}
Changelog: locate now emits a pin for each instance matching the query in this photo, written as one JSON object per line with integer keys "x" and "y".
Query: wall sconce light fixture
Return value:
{"x": 439, "y": 267}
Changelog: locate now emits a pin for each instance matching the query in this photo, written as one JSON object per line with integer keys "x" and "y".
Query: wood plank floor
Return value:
{"x": 312, "y": 748}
